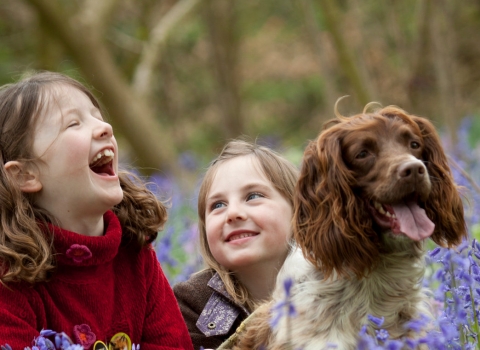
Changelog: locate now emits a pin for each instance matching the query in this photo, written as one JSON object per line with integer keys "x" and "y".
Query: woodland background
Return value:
{"x": 181, "y": 77}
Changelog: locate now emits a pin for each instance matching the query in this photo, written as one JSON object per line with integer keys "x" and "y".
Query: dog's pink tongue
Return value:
{"x": 412, "y": 221}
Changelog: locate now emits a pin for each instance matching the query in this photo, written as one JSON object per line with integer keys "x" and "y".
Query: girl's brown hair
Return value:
{"x": 279, "y": 171}
{"x": 25, "y": 250}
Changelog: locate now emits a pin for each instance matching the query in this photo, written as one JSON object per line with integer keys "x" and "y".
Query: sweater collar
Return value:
{"x": 74, "y": 249}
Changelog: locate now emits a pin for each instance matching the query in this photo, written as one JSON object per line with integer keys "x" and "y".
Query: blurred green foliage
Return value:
{"x": 266, "y": 69}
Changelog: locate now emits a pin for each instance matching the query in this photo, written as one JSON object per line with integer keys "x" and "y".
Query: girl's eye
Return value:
{"x": 217, "y": 205}
{"x": 254, "y": 195}
{"x": 73, "y": 124}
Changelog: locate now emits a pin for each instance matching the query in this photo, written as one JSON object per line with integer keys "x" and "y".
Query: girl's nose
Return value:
{"x": 103, "y": 130}
{"x": 235, "y": 212}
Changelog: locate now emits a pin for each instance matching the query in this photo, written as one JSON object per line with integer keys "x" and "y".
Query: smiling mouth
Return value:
{"x": 240, "y": 236}
{"x": 102, "y": 163}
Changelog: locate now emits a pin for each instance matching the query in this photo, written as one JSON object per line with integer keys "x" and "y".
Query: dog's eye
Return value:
{"x": 361, "y": 155}
{"x": 414, "y": 145}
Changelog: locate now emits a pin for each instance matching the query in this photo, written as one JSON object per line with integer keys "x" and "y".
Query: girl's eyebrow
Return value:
{"x": 214, "y": 197}
{"x": 74, "y": 110}
{"x": 96, "y": 112}
{"x": 248, "y": 187}
{"x": 256, "y": 186}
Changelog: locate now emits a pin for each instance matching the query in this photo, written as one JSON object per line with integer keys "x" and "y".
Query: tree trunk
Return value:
{"x": 221, "y": 20}
{"x": 345, "y": 56}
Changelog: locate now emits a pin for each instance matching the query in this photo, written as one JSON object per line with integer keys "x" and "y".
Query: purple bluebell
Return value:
{"x": 283, "y": 308}
{"x": 377, "y": 321}
{"x": 393, "y": 345}
{"x": 47, "y": 332}
{"x": 381, "y": 335}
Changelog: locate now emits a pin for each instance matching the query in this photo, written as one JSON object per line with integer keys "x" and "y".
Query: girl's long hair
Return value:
{"x": 283, "y": 176}
{"x": 26, "y": 251}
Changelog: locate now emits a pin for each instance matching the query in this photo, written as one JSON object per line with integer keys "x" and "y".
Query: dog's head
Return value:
{"x": 373, "y": 174}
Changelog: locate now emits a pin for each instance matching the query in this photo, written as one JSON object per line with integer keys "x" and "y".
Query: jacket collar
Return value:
{"x": 220, "y": 312}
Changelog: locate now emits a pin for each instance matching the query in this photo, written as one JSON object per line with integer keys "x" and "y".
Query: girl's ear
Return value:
{"x": 25, "y": 175}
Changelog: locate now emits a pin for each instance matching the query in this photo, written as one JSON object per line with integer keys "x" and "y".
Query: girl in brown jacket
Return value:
{"x": 244, "y": 208}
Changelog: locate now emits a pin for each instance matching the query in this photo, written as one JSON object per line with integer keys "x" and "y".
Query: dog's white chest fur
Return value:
{"x": 332, "y": 311}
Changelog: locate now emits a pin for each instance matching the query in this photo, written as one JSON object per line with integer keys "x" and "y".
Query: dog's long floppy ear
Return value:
{"x": 444, "y": 205}
{"x": 330, "y": 223}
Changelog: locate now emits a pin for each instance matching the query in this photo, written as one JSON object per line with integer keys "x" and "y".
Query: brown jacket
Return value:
{"x": 208, "y": 310}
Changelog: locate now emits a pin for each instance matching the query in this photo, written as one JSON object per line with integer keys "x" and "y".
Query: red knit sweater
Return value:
{"x": 100, "y": 283}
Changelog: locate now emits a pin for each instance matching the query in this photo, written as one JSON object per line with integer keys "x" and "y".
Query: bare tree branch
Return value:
{"x": 125, "y": 41}
{"x": 151, "y": 55}
{"x": 445, "y": 51}
{"x": 347, "y": 63}
{"x": 97, "y": 13}
{"x": 318, "y": 45}
{"x": 421, "y": 81}
{"x": 221, "y": 21}
{"x": 152, "y": 144}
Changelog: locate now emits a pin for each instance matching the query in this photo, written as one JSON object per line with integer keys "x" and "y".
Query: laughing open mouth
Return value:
{"x": 102, "y": 163}
{"x": 405, "y": 217}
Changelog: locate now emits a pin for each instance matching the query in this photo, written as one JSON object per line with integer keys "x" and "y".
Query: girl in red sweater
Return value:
{"x": 75, "y": 234}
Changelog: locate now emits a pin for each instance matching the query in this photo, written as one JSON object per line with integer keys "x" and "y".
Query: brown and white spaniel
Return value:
{"x": 372, "y": 188}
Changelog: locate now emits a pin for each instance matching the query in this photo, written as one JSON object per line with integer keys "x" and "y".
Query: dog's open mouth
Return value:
{"x": 405, "y": 217}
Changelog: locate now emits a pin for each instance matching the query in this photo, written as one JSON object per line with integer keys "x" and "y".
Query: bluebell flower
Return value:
{"x": 434, "y": 252}
{"x": 44, "y": 343}
{"x": 418, "y": 324}
{"x": 477, "y": 245}
{"x": 283, "y": 308}
{"x": 411, "y": 343}
{"x": 393, "y": 345}
{"x": 477, "y": 254}
{"x": 47, "y": 332}
{"x": 63, "y": 341}
{"x": 163, "y": 248}
{"x": 449, "y": 330}
{"x": 381, "y": 335}
{"x": 377, "y": 321}
{"x": 188, "y": 161}
{"x": 287, "y": 284}
{"x": 74, "y": 347}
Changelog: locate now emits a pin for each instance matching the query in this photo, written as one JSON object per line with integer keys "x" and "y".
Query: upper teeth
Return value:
{"x": 243, "y": 235}
{"x": 382, "y": 211}
{"x": 105, "y": 153}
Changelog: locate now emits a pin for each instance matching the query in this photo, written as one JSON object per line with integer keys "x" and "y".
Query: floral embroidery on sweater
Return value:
{"x": 84, "y": 335}
{"x": 79, "y": 253}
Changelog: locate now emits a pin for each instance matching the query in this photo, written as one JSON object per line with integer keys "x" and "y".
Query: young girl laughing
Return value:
{"x": 76, "y": 233}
